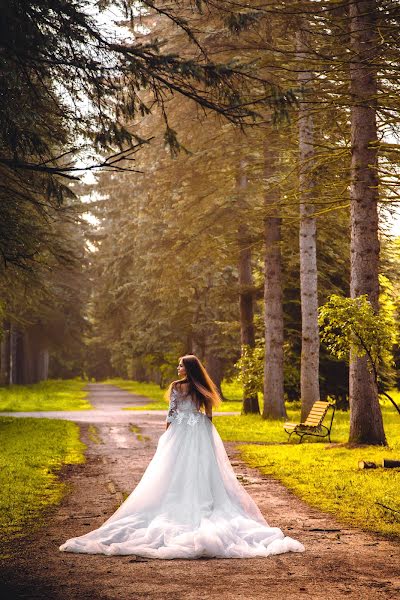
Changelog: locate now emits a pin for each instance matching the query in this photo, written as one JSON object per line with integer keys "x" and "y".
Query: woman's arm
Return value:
{"x": 172, "y": 410}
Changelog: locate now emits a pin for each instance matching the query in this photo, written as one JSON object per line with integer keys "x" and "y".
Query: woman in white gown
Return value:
{"x": 188, "y": 503}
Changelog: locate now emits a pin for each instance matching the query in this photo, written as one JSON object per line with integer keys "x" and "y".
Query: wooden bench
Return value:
{"x": 313, "y": 424}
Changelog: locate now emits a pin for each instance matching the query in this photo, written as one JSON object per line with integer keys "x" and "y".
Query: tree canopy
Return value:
{"x": 190, "y": 117}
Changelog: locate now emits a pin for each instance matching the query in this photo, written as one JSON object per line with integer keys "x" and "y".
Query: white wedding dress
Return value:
{"x": 188, "y": 503}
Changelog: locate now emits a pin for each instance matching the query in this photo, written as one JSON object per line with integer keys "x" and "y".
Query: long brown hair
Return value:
{"x": 200, "y": 384}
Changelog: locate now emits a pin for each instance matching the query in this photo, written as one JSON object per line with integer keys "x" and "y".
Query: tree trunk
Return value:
{"x": 366, "y": 425}
{"x": 5, "y": 355}
{"x": 32, "y": 356}
{"x": 13, "y": 354}
{"x": 309, "y": 376}
{"x": 246, "y": 289}
{"x": 274, "y": 404}
{"x": 44, "y": 365}
{"x": 215, "y": 369}
{"x": 20, "y": 358}
{"x": 198, "y": 349}
{"x": 29, "y": 363}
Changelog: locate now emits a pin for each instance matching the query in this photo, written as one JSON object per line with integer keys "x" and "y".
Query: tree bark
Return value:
{"x": 5, "y": 355}
{"x": 13, "y": 354}
{"x": 44, "y": 364}
{"x": 32, "y": 356}
{"x": 28, "y": 374}
{"x": 309, "y": 376}
{"x": 246, "y": 289}
{"x": 20, "y": 358}
{"x": 198, "y": 349}
{"x": 215, "y": 369}
{"x": 366, "y": 425}
{"x": 274, "y": 403}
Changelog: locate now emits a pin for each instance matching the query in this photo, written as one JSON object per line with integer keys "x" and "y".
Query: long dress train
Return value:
{"x": 188, "y": 503}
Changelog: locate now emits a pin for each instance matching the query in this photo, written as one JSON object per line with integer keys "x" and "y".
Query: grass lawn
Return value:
{"x": 31, "y": 453}
{"x": 231, "y": 391}
{"x": 326, "y": 476}
{"x": 54, "y": 394}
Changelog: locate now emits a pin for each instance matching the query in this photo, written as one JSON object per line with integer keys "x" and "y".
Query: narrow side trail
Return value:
{"x": 339, "y": 562}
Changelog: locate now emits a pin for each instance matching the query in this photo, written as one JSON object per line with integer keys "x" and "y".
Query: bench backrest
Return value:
{"x": 317, "y": 413}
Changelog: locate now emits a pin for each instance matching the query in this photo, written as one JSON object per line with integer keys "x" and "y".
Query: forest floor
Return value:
{"x": 339, "y": 562}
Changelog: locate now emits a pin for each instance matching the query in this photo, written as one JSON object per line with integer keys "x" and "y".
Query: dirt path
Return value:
{"x": 109, "y": 404}
{"x": 339, "y": 562}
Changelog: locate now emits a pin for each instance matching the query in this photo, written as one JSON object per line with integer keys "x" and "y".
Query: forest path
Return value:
{"x": 108, "y": 401}
{"x": 339, "y": 562}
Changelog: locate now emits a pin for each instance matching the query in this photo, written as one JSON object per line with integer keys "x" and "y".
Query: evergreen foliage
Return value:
{"x": 187, "y": 99}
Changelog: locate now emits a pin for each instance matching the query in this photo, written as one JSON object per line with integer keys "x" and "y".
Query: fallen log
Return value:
{"x": 386, "y": 464}
{"x": 390, "y": 464}
{"x": 363, "y": 464}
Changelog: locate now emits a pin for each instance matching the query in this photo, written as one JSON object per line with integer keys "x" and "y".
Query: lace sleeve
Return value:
{"x": 173, "y": 406}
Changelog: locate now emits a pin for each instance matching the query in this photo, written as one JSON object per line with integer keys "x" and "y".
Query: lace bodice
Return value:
{"x": 183, "y": 408}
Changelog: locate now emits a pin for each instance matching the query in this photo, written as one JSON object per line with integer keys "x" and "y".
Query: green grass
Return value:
{"x": 93, "y": 434}
{"x": 31, "y": 453}
{"x": 156, "y": 395}
{"x": 326, "y": 476}
{"x": 233, "y": 391}
{"x": 54, "y": 394}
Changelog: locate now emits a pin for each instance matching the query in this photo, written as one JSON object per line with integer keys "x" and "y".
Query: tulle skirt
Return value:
{"x": 188, "y": 504}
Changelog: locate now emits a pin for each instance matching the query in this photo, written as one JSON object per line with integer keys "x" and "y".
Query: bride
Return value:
{"x": 188, "y": 503}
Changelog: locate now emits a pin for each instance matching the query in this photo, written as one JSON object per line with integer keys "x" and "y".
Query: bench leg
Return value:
{"x": 290, "y": 433}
